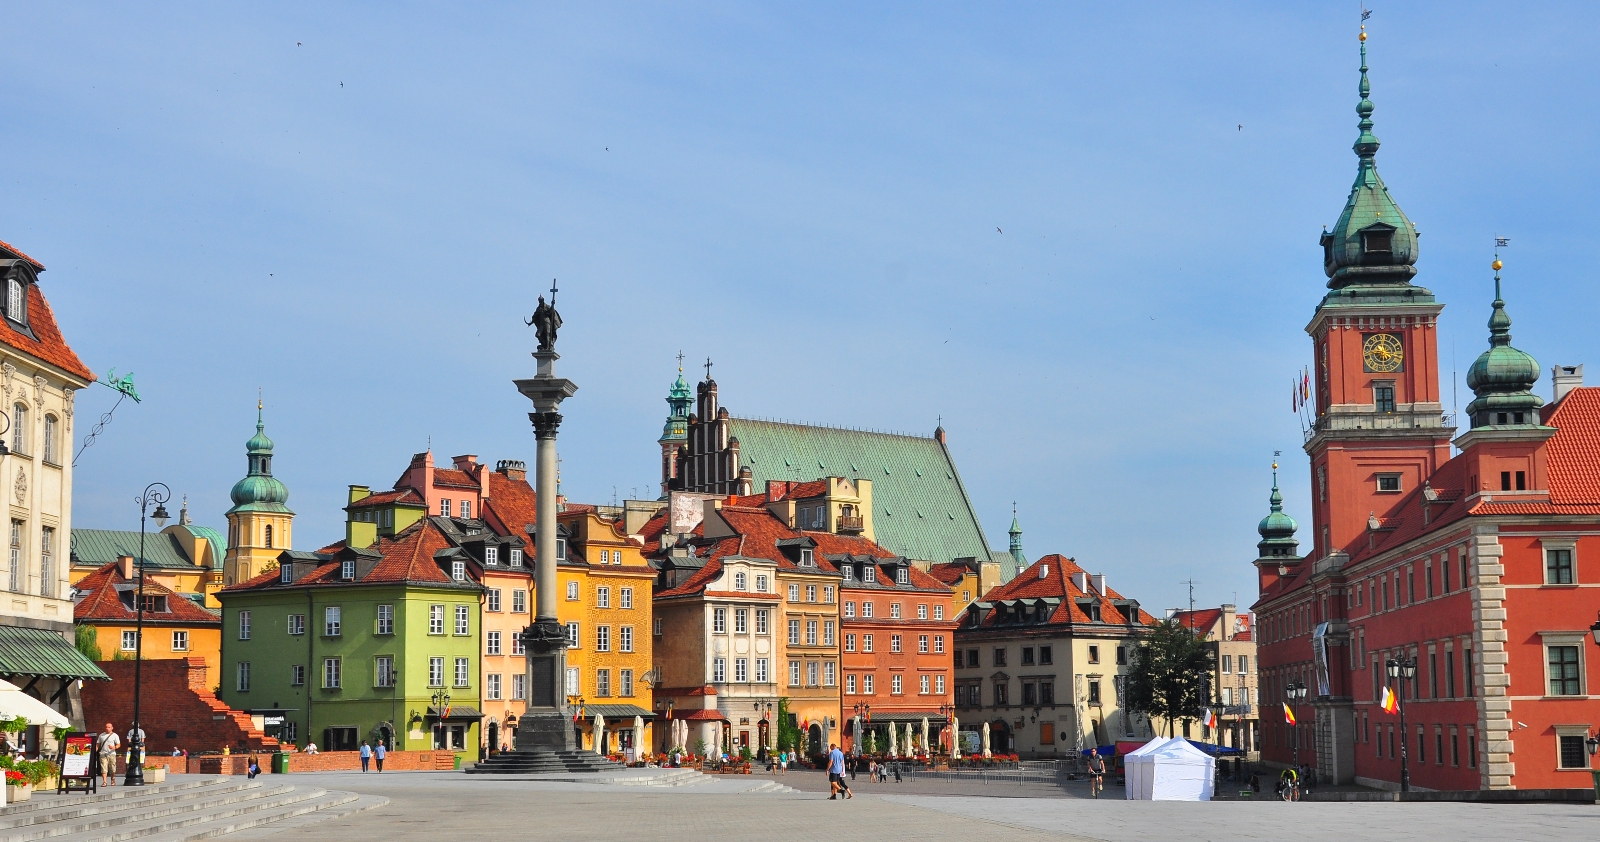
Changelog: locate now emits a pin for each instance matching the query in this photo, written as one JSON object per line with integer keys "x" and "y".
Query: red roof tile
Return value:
{"x": 18, "y": 252}
{"x": 454, "y": 478}
{"x": 384, "y": 498}
{"x": 1057, "y": 582}
{"x": 949, "y": 572}
{"x": 102, "y": 604}
{"x": 1574, "y": 451}
{"x": 49, "y": 346}
{"x": 407, "y": 558}
{"x": 512, "y": 505}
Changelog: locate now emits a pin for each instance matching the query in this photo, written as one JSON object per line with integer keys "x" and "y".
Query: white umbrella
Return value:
{"x": 955, "y": 738}
{"x": 858, "y": 744}
{"x": 14, "y": 703}
{"x": 599, "y": 734}
{"x": 927, "y": 747}
{"x": 638, "y": 736}
{"x": 892, "y": 734}
{"x": 986, "y": 739}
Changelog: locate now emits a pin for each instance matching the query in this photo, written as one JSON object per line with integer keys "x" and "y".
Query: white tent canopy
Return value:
{"x": 15, "y": 703}
{"x": 1170, "y": 769}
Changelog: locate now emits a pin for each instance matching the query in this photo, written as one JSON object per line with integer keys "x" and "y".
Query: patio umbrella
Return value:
{"x": 955, "y": 738}
{"x": 638, "y": 735}
{"x": 892, "y": 729}
{"x": 986, "y": 739}
{"x": 927, "y": 747}
{"x": 15, "y": 703}
{"x": 599, "y": 734}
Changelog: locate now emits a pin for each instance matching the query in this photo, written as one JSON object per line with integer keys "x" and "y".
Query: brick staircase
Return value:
{"x": 176, "y": 811}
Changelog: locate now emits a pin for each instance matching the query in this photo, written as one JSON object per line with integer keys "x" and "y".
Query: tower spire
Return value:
{"x": 1367, "y": 144}
{"x": 1502, "y": 377}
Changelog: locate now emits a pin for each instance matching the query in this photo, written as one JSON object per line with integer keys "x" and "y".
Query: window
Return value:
{"x": 286, "y": 574}
{"x": 626, "y": 597}
{"x": 1558, "y": 567}
{"x": 922, "y": 684}
{"x": 849, "y": 610}
{"x": 386, "y": 619}
{"x": 1044, "y": 651}
{"x": 491, "y": 686}
{"x": 1030, "y": 693}
{"x": 573, "y": 639}
{"x": 1047, "y": 691}
{"x": 1565, "y": 678}
{"x": 895, "y": 684}
{"x": 491, "y": 556}
{"x": 347, "y": 570}
{"x": 999, "y": 657}
{"x": 436, "y": 619}
{"x": 268, "y": 532}
{"x": 828, "y": 679}
{"x": 466, "y": 508}
{"x": 297, "y": 675}
{"x": 794, "y": 673}
{"x": 1227, "y": 663}
{"x": 761, "y": 671}
{"x": 922, "y": 612}
{"x": 180, "y": 641}
{"x": 866, "y": 643}
{"x": 297, "y": 624}
{"x": 458, "y": 571}
{"x": 741, "y": 620}
{"x": 719, "y": 670}
{"x": 938, "y": 612}
{"x": 1383, "y": 397}
{"x": 1449, "y": 674}
{"x": 808, "y": 558}
{"x": 811, "y": 593}
{"x": 739, "y": 581}
{"x": 850, "y": 683}
{"x": 494, "y": 600}
{"x": 811, "y": 632}
{"x": 332, "y": 673}
{"x": 902, "y": 575}
{"x": 516, "y": 561}
{"x": 958, "y": 659}
{"x": 1094, "y": 692}
{"x": 1027, "y": 655}
{"x": 922, "y": 644}
{"x": 462, "y": 667}
{"x": 19, "y": 427}
{"x": 894, "y": 610}
{"x": 47, "y": 561}
{"x": 241, "y": 681}
{"x": 763, "y": 618}
{"x": 1388, "y": 483}
{"x": 625, "y": 639}
{"x": 938, "y": 646}
{"x": 444, "y": 506}
{"x": 383, "y": 671}
{"x": 1572, "y": 753}
{"x": 14, "y": 300}
{"x": 866, "y": 684}
{"x": 519, "y": 601}
{"x": 519, "y": 686}
{"x": 741, "y": 669}
{"x": 972, "y": 657}
{"x": 719, "y": 620}
{"x": 794, "y": 593}
{"x": 572, "y": 591}
{"x": 244, "y": 625}
{"x": 827, "y": 632}
{"x": 869, "y": 574}
{"x": 574, "y": 685}
{"x": 602, "y": 597}
{"x": 50, "y": 437}
{"x": 866, "y": 610}
{"x": 761, "y": 583}
{"x": 849, "y": 643}
{"x": 848, "y": 571}
{"x": 1377, "y": 241}
{"x": 130, "y": 641}
{"x": 463, "y": 620}
{"x": 1466, "y": 671}
{"x": 894, "y": 643}
{"x": 827, "y": 594}
{"x": 658, "y": 626}
{"x": 794, "y": 632}
{"x": 491, "y": 643}
{"x": 516, "y": 645}
{"x": 602, "y": 682}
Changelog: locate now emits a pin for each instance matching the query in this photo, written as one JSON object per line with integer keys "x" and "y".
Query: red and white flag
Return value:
{"x": 1390, "y": 702}
{"x": 1288, "y": 713}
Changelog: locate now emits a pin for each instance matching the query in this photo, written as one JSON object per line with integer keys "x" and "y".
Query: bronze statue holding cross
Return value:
{"x": 546, "y": 321}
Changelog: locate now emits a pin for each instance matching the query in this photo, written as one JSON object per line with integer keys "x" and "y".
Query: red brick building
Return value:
{"x": 1476, "y": 566}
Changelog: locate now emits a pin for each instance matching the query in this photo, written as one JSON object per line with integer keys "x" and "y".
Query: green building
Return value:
{"x": 350, "y": 644}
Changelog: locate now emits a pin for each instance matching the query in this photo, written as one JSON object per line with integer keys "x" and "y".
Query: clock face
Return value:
{"x": 1382, "y": 352}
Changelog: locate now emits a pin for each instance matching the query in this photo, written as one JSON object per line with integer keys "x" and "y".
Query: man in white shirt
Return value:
{"x": 106, "y": 744}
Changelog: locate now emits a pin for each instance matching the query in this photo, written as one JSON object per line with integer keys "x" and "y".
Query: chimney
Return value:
{"x": 1099, "y": 582}
{"x": 1044, "y": 571}
{"x": 1172, "y": 612}
{"x": 465, "y": 462}
{"x": 125, "y": 565}
{"x": 1080, "y": 580}
{"x": 1566, "y": 378}
{"x": 513, "y": 469}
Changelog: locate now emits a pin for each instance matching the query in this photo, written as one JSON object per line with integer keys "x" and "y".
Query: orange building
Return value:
{"x": 174, "y": 627}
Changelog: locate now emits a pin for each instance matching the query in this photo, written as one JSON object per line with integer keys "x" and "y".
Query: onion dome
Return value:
{"x": 1502, "y": 377}
{"x": 679, "y": 400}
{"x": 1374, "y": 242}
{"x": 1277, "y": 529}
{"x": 260, "y": 490}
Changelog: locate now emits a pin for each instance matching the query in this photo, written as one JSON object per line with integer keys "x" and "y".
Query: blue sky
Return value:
{"x": 352, "y": 208}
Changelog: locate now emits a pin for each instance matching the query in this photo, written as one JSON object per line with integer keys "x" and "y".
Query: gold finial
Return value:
{"x": 1363, "y": 32}
{"x": 1496, "y": 264}
{"x": 1274, "y": 466}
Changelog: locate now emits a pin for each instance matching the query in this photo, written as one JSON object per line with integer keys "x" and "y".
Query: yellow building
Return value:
{"x": 260, "y": 526}
{"x": 174, "y": 626}
{"x": 183, "y": 557}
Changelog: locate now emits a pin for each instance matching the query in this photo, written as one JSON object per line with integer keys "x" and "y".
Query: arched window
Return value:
{"x": 50, "y": 445}
{"x": 269, "y": 536}
{"x": 14, "y": 299}
{"x": 19, "y": 428}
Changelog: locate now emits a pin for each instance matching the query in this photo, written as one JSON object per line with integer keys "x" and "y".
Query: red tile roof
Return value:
{"x": 18, "y": 252}
{"x": 101, "y": 604}
{"x": 454, "y": 478}
{"x": 407, "y": 558}
{"x": 512, "y": 505}
{"x": 49, "y": 346}
{"x": 1574, "y": 452}
{"x": 1057, "y": 582}
{"x": 383, "y": 498}
{"x": 1201, "y": 620}
{"x": 949, "y": 572}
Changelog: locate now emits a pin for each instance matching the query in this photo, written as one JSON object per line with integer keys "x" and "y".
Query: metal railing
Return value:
{"x": 1021, "y": 772}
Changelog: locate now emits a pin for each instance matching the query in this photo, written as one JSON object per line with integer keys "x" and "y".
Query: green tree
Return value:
{"x": 788, "y": 732}
{"x": 87, "y": 641}
{"x": 1170, "y": 675}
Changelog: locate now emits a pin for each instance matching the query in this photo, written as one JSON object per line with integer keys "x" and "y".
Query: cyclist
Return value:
{"x": 1097, "y": 774}
{"x": 1289, "y": 785}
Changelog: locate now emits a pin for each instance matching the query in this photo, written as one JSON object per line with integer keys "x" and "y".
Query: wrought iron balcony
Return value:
{"x": 851, "y": 524}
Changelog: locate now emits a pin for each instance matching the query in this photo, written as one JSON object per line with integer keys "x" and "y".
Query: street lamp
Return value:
{"x": 948, "y": 712}
{"x": 1295, "y": 691}
{"x": 441, "y": 704}
{"x": 157, "y": 493}
{"x": 1406, "y": 670}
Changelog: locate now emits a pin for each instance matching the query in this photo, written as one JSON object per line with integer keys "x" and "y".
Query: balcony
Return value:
{"x": 851, "y": 524}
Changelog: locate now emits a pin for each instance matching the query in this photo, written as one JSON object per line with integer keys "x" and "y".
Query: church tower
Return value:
{"x": 1017, "y": 555}
{"x": 1278, "y": 552}
{"x": 1379, "y": 428}
{"x": 260, "y": 526}
{"x": 676, "y": 431}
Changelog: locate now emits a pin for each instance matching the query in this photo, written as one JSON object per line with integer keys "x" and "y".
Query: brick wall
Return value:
{"x": 396, "y": 761}
{"x": 177, "y": 705}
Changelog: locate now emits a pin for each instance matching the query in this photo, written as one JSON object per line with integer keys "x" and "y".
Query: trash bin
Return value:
{"x": 280, "y": 763}
{"x": 459, "y": 758}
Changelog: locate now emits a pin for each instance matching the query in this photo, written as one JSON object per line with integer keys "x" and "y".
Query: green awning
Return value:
{"x": 25, "y": 651}
{"x": 615, "y": 712}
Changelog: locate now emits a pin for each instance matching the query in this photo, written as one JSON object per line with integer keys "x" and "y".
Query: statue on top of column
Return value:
{"x": 546, "y": 321}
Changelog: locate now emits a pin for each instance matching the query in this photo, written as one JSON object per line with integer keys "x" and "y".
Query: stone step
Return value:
{"x": 48, "y": 802}
{"x": 134, "y": 823}
{"x": 66, "y": 808}
{"x": 332, "y": 805}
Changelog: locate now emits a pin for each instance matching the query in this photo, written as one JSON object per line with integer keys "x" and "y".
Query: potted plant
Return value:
{"x": 17, "y": 787}
{"x": 154, "y": 773}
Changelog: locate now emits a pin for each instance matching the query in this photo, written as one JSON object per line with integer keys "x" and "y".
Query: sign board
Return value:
{"x": 79, "y": 759}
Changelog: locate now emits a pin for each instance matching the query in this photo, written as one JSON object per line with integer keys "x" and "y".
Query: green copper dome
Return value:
{"x": 259, "y": 491}
{"x": 1502, "y": 377}
{"x": 1373, "y": 242}
{"x": 678, "y": 401}
{"x": 1277, "y": 529}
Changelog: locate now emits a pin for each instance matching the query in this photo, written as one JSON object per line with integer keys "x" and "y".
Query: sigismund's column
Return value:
{"x": 547, "y": 724}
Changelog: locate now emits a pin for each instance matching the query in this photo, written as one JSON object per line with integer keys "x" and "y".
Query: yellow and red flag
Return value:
{"x": 1390, "y": 702}
{"x": 1288, "y": 713}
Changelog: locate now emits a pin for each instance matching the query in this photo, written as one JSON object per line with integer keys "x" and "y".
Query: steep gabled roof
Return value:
{"x": 103, "y": 546}
{"x": 407, "y": 558}
{"x": 512, "y": 505}
{"x": 46, "y": 343}
{"x": 102, "y": 601}
{"x": 1057, "y": 583}
{"x": 398, "y": 496}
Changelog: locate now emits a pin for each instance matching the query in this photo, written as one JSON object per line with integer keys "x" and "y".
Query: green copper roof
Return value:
{"x": 678, "y": 402}
{"x": 25, "y": 651}
{"x": 259, "y": 491}
{"x": 1373, "y": 243}
{"x": 1276, "y": 525}
{"x": 920, "y": 508}
{"x": 1502, "y": 377}
{"x": 97, "y": 547}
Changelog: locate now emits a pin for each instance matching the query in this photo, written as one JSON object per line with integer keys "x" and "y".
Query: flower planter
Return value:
{"x": 14, "y": 794}
{"x": 156, "y": 775}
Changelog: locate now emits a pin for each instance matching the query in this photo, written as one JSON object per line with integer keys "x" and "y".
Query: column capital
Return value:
{"x": 545, "y": 424}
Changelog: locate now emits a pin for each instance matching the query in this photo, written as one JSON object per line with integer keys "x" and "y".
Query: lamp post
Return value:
{"x": 948, "y": 712}
{"x": 1295, "y": 691}
{"x": 764, "y": 725}
{"x": 157, "y": 493}
{"x": 1404, "y": 671}
{"x": 441, "y": 703}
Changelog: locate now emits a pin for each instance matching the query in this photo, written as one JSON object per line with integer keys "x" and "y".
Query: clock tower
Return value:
{"x": 1379, "y": 428}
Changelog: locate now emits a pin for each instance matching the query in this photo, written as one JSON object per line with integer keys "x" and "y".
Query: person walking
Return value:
{"x": 836, "y": 773}
{"x": 252, "y": 768}
{"x": 378, "y": 753}
{"x": 366, "y": 755}
{"x": 106, "y": 744}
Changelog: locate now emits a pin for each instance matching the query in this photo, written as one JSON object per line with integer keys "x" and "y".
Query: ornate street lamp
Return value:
{"x": 441, "y": 703}
{"x": 1405, "y": 670}
{"x": 157, "y": 493}
{"x": 948, "y": 712}
{"x": 1295, "y": 691}
{"x": 1593, "y": 630}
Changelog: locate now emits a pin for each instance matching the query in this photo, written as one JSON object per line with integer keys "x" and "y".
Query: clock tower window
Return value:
{"x": 1383, "y": 396}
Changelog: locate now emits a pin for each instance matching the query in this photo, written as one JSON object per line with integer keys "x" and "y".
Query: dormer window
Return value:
{"x": 491, "y": 556}
{"x": 1378, "y": 241}
{"x": 561, "y": 549}
{"x": 516, "y": 557}
{"x": 16, "y": 301}
{"x": 869, "y": 574}
{"x": 458, "y": 571}
{"x": 807, "y": 557}
{"x": 849, "y": 571}
{"x": 347, "y": 570}
{"x": 739, "y": 581}
{"x": 902, "y": 575}
{"x": 286, "y": 574}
